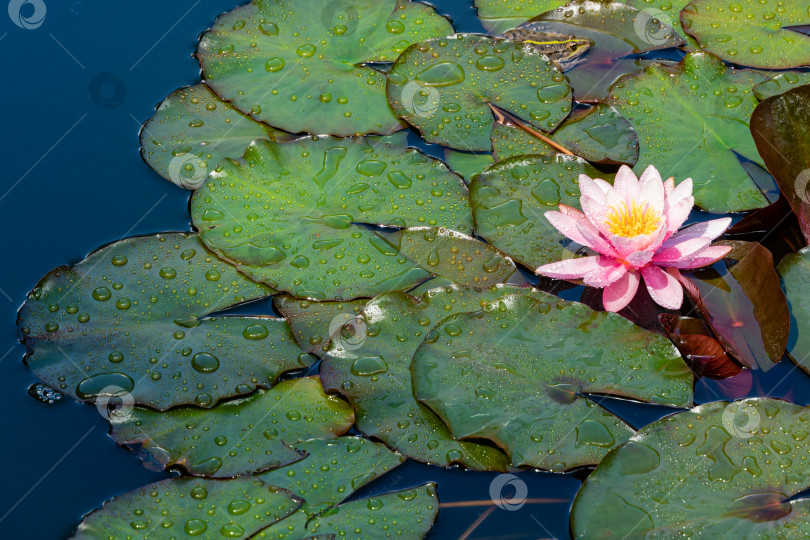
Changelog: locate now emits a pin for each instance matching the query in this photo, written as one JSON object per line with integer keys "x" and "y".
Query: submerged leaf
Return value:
{"x": 182, "y": 507}
{"x": 243, "y": 436}
{"x": 696, "y": 343}
{"x": 795, "y": 272}
{"x": 517, "y": 372}
{"x": 131, "y": 320}
{"x": 192, "y": 130}
{"x": 781, "y": 129}
{"x": 692, "y": 122}
{"x": 510, "y": 200}
{"x": 721, "y": 470}
{"x": 745, "y": 304}
{"x": 290, "y": 214}
{"x": 750, "y": 33}
{"x": 445, "y": 87}
{"x": 300, "y": 65}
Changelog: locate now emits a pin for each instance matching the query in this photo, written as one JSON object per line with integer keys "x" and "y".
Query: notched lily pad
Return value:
{"x": 516, "y": 373}
{"x": 666, "y": 12}
{"x": 300, "y": 65}
{"x": 289, "y": 214}
{"x": 750, "y": 33}
{"x": 510, "y": 200}
{"x": 500, "y": 15}
{"x": 795, "y": 272}
{"x": 131, "y": 320}
{"x": 243, "y": 436}
{"x": 467, "y": 164}
{"x": 692, "y": 122}
{"x": 192, "y": 130}
{"x": 599, "y": 135}
{"x": 459, "y": 258}
{"x": 444, "y": 87}
{"x": 183, "y": 507}
{"x": 721, "y": 470}
{"x": 780, "y": 83}
{"x": 314, "y": 322}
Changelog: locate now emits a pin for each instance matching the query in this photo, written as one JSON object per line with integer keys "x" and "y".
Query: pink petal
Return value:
{"x": 664, "y": 289}
{"x": 567, "y": 225}
{"x": 626, "y": 184}
{"x": 669, "y": 185}
{"x": 677, "y": 213}
{"x": 707, "y": 229}
{"x": 569, "y": 268}
{"x": 604, "y": 186}
{"x": 595, "y": 211}
{"x": 652, "y": 189}
{"x": 682, "y": 190}
{"x": 624, "y": 245}
{"x": 609, "y": 271}
{"x": 570, "y": 211}
{"x": 589, "y": 188}
{"x": 680, "y": 251}
{"x": 705, "y": 257}
{"x": 619, "y": 293}
{"x": 640, "y": 258}
{"x": 594, "y": 240}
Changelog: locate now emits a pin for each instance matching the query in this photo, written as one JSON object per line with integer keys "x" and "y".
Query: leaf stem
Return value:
{"x": 506, "y": 118}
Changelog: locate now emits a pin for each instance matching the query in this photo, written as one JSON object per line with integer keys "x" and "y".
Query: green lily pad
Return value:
{"x": 192, "y": 130}
{"x": 668, "y": 13}
{"x": 692, "y": 122}
{"x": 750, "y": 33}
{"x": 497, "y": 16}
{"x": 461, "y": 259}
{"x": 243, "y": 436}
{"x": 599, "y": 134}
{"x": 721, "y": 470}
{"x": 131, "y": 319}
{"x": 300, "y": 65}
{"x": 780, "y": 83}
{"x": 444, "y": 88}
{"x": 374, "y": 374}
{"x": 510, "y": 200}
{"x": 290, "y": 214}
{"x": 795, "y": 271}
{"x": 182, "y": 507}
{"x": 332, "y": 470}
{"x": 402, "y": 514}
{"x": 515, "y": 373}
{"x": 313, "y": 323}
{"x": 467, "y": 164}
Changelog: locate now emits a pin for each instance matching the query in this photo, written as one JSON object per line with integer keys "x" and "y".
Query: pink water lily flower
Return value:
{"x": 633, "y": 226}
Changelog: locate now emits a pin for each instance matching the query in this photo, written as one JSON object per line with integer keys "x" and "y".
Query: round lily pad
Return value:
{"x": 752, "y": 33}
{"x": 130, "y": 321}
{"x": 780, "y": 83}
{"x": 721, "y": 470}
{"x": 192, "y": 130}
{"x": 243, "y": 436}
{"x": 510, "y": 200}
{"x": 599, "y": 135}
{"x": 517, "y": 372}
{"x": 313, "y": 323}
{"x": 692, "y": 122}
{"x": 795, "y": 272}
{"x": 663, "y": 11}
{"x": 188, "y": 507}
{"x": 299, "y": 65}
{"x": 459, "y": 258}
{"x": 291, "y": 214}
{"x": 373, "y": 373}
{"x": 444, "y": 87}
{"x": 497, "y": 16}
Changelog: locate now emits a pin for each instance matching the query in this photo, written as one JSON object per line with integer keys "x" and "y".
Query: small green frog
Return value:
{"x": 565, "y": 50}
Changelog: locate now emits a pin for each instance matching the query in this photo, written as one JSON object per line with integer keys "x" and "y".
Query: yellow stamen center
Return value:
{"x": 632, "y": 221}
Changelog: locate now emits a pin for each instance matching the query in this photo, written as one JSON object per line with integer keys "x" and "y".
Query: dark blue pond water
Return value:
{"x": 75, "y": 92}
